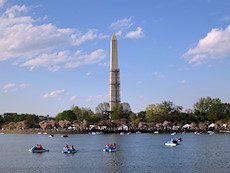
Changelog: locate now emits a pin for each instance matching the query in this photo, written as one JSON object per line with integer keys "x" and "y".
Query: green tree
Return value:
{"x": 171, "y": 108}
{"x": 77, "y": 111}
{"x": 68, "y": 115}
{"x": 141, "y": 115}
{"x": 86, "y": 113}
{"x": 117, "y": 112}
{"x": 10, "y": 118}
{"x": 33, "y": 119}
{"x": 204, "y": 104}
{"x": 126, "y": 110}
{"x": 121, "y": 110}
{"x": 155, "y": 113}
{"x": 218, "y": 111}
{"x": 102, "y": 108}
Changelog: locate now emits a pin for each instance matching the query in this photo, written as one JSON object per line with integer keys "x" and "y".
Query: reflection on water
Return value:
{"x": 136, "y": 153}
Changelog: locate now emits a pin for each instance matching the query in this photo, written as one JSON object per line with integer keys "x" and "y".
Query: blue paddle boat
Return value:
{"x": 172, "y": 143}
{"x": 110, "y": 148}
{"x": 65, "y": 136}
{"x": 68, "y": 150}
{"x": 38, "y": 149}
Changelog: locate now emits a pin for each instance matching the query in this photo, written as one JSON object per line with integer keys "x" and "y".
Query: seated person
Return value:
{"x": 72, "y": 147}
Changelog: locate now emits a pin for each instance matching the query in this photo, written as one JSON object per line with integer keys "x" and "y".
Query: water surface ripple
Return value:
{"x": 136, "y": 153}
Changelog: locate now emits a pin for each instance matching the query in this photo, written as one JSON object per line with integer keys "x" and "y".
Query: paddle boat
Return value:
{"x": 38, "y": 149}
{"x": 110, "y": 148}
{"x": 178, "y": 139}
{"x": 39, "y": 133}
{"x": 122, "y": 133}
{"x": 65, "y": 136}
{"x": 173, "y": 133}
{"x": 156, "y": 132}
{"x": 50, "y": 136}
{"x": 69, "y": 150}
{"x": 210, "y": 132}
{"x": 171, "y": 143}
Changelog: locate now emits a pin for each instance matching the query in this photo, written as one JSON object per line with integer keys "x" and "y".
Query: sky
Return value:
{"x": 55, "y": 54}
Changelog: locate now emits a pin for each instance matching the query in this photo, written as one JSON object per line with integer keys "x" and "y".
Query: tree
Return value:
{"x": 204, "y": 104}
{"x": 126, "y": 110}
{"x": 102, "y": 108}
{"x": 218, "y": 111}
{"x": 77, "y": 111}
{"x": 117, "y": 112}
{"x": 155, "y": 113}
{"x": 171, "y": 108}
{"x": 68, "y": 115}
{"x": 141, "y": 114}
{"x": 121, "y": 110}
{"x": 86, "y": 113}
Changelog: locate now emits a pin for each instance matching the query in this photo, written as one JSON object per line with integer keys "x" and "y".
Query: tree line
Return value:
{"x": 204, "y": 110}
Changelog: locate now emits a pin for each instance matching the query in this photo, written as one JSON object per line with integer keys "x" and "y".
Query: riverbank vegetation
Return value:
{"x": 207, "y": 112}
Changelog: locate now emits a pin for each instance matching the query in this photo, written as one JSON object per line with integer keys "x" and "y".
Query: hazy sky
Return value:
{"x": 55, "y": 53}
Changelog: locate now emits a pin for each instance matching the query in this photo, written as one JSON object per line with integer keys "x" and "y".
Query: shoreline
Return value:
{"x": 27, "y": 131}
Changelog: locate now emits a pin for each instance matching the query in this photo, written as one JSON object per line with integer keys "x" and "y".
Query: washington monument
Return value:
{"x": 114, "y": 75}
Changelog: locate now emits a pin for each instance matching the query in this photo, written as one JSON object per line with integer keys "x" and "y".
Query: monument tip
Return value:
{"x": 114, "y": 37}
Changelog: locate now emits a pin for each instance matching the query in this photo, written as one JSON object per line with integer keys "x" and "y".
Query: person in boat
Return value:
{"x": 66, "y": 146}
{"x": 38, "y": 146}
{"x": 107, "y": 146}
{"x": 72, "y": 147}
{"x": 114, "y": 146}
{"x": 174, "y": 141}
{"x": 180, "y": 138}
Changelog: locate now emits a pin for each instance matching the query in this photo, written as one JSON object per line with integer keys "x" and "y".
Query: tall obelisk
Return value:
{"x": 114, "y": 75}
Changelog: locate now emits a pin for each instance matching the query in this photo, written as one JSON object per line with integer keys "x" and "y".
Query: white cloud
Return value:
{"x": 158, "y": 75}
{"x": 47, "y": 59}
{"x": 102, "y": 36}
{"x": 73, "y": 98}
{"x": 183, "y": 81}
{"x": 135, "y": 34}
{"x": 122, "y": 24}
{"x": 85, "y": 59}
{"x": 106, "y": 64}
{"x": 119, "y": 33}
{"x": 23, "y": 85}
{"x": 89, "y": 99}
{"x": 98, "y": 97}
{"x": 10, "y": 85}
{"x": 225, "y": 18}
{"x": 33, "y": 44}
{"x": 90, "y": 35}
{"x": 54, "y": 93}
{"x": 215, "y": 45}
{"x": 58, "y": 60}
{"x": 2, "y": 3}
{"x": 88, "y": 74}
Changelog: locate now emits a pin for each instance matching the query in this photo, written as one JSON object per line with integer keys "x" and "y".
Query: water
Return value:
{"x": 137, "y": 153}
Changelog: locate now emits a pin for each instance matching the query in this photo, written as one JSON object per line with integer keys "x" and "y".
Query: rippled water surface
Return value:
{"x": 136, "y": 153}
